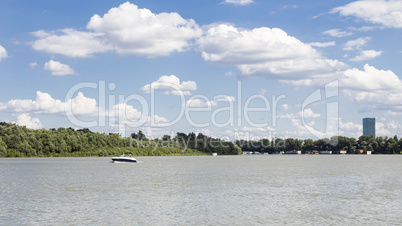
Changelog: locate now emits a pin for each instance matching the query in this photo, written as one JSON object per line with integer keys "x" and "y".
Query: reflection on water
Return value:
{"x": 203, "y": 190}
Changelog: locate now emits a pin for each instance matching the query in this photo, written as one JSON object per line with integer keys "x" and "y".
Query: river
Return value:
{"x": 203, "y": 190}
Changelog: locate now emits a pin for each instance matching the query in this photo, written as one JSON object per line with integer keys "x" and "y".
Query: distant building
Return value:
{"x": 369, "y": 127}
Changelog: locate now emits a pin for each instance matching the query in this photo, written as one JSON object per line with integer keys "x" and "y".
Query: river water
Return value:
{"x": 203, "y": 190}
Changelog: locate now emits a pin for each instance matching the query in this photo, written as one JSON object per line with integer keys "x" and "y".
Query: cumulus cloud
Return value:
{"x": 127, "y": 115}
{"x": 205, "y": 102}
{"x": 371, "y": 79}
{"x": 3, "y": 53}
{"x": 125, "y": 119}
{"x": 239, "y": 2}
{"x": 385, "y": 12}
{"x": 26, "y": 120}
{"x": 337, "y": 33}
{"x": 366, "y": 55}
{"x": 46, "y": 104}
{"x": 307, "y": 113}
{"x": 121, "y": 116}
{"x": 139, "y": 31}
{"x": 70, "y": 42}
{"x": 356, "y": 43}
{"x": 82, "y": 105}
{"x": 373, "y": 88}
{"x": 321, "y": 44}
{"x": 266, "y": 52}
{"x": 58, "y": 69}
{"x": 125, "y": 29}
{"x": 171, "y": 85}
{"x": 350, "y": 129}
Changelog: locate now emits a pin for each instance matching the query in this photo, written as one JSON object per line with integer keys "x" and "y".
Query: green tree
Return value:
{"x": 308, "y": 145}
{"x": 3, "y": 148}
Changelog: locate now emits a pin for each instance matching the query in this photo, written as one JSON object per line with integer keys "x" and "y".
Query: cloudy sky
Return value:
{"x": 227, "y": 68}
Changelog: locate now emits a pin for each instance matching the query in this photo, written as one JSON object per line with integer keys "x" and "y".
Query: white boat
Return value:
{"x": 124, "y": 158}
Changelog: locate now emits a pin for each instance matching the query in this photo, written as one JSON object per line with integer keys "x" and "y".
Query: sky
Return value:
{"x": 231, "y": 69}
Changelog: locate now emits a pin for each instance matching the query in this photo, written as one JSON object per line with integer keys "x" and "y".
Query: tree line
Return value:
{"x": 20, "y": 141}
{"x": 377, "y": 145}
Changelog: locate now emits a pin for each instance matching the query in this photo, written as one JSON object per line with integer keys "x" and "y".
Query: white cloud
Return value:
{"x": 356, "y": 43}
{"x": 364, "y": 28}
{"x": 337, "y": 33}
{"x": 350, "y": 129}
{"x": 82, "y": 105}
{"x": 70, "y": 42}
{"x": 298, "y": 130}
{"x": 33, "y": 65}
{"x": 284, "y": 107}
{"x": 125, "y": 29}
{"x": 373, "y": 88}
{"x": 125, "y": 119}
{"x": 3, "y": 53}
{"x": 26, "y": 120}
{"x": 58, "y": 69}
{"x": 46, "y": 104}
{"x": 321, "y": 44}
{"x": 239, "y": 2}
{"x": 366, "y": 55}
{"x": 172, "y": 86}
{"x": 387, "y": 13}
{"x": 200, "y": 103}
{"x": 380, "y": 130}
{"x": 204, "y": 102}
{"x": 139, "y": 31}
{"x": 307, "y": 113}
{"x": 127, "y": 114}
{"x": 264, "y": 52}
{"x": 122, "y": 117}
{"x": 394, "y": 125}
{"x": 370, "y": 79}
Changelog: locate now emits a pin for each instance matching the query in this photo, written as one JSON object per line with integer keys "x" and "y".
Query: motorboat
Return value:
{"x": 124, "y": 158}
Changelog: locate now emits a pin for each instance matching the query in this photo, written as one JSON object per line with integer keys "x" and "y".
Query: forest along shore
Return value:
{"x": 20, "y": 141}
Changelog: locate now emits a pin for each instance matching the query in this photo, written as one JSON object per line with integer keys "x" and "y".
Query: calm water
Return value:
{"x": 206, "y": 190}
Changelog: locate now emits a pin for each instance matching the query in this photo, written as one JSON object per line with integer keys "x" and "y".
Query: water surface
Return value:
{"x": 203, "y": 190}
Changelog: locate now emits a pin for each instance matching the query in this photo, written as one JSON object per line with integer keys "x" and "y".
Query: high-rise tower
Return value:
{"x": 369, "y": 127}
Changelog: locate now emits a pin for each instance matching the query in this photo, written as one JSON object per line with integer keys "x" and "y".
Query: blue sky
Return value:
{"x": 231, "y": 69}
